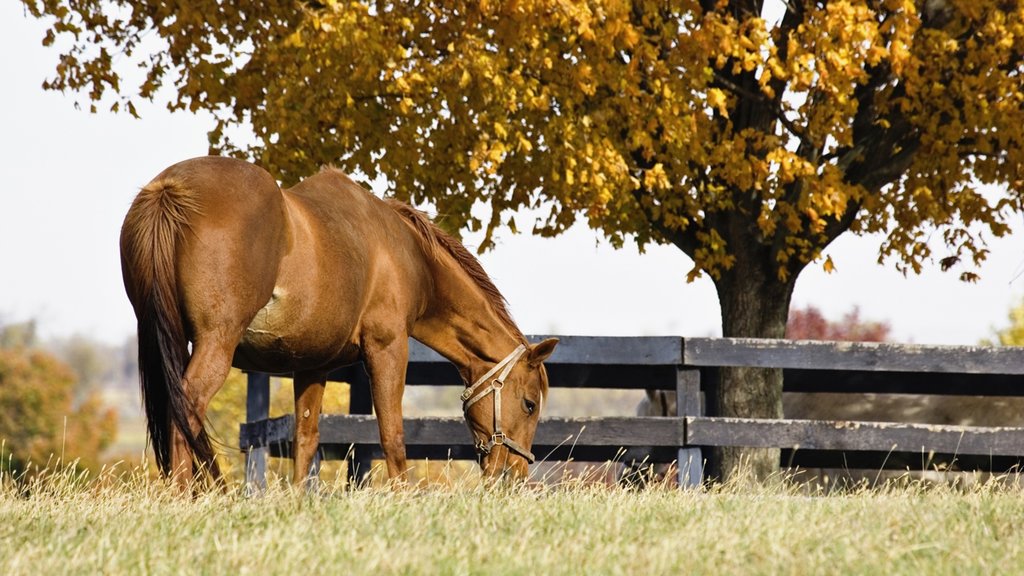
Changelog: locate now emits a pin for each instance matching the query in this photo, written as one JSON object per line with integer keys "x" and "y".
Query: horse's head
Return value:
{"x": 503, "y": 408}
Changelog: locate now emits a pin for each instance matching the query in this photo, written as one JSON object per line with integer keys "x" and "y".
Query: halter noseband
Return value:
{"x": 477, "y": 391}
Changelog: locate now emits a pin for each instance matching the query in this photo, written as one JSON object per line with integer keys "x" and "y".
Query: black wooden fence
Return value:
{"x": 689, "y": 367}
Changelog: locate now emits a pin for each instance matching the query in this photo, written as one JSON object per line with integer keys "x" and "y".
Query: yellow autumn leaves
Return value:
{"x": 653, "y": 120}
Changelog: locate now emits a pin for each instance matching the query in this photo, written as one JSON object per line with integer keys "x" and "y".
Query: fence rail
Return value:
{"x": 687, "y": 367}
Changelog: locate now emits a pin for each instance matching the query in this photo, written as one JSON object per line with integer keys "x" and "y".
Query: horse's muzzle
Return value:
{"x": 501, "y": 462}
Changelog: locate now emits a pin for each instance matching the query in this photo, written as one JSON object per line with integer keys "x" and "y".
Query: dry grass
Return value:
{"x": 125, "y": 523}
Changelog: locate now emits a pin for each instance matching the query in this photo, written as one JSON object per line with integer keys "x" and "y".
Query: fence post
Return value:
{"x": 257, "y": 407}
{"x": 360, "y": 402}
{"x": 688, "y": 403}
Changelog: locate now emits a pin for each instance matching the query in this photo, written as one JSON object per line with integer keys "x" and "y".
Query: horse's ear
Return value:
{"x": 540, "y": 351}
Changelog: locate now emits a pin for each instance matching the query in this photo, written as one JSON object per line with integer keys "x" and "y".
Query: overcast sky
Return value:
{"x": 69, "y": 177}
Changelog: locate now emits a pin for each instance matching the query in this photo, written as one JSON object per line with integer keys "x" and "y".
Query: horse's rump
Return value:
{"x": 196, "y": 214}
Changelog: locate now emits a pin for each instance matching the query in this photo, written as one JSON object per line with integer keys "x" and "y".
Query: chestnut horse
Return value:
{"x": 224, "y": 268}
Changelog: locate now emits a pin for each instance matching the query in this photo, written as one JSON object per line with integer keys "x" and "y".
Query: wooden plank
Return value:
{"x": 576, "y": 453}
{"x": 878, "y": 460}
{"x": 635, "y": 377}
{"x": 616, "y": 350}
{"x": 612, "y": 431}
{"x": 602, "y": 438}
{"x": 863, "y": 436}
{"x": 578, "y": 362}
{"x": 266, "y": 432}
{"x": 590, "y": 350}
{"x": 872, "y": 356}
{"x": 362, "y": 429}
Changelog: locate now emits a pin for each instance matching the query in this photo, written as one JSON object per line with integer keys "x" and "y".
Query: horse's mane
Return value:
{"x": 433, "y": 239}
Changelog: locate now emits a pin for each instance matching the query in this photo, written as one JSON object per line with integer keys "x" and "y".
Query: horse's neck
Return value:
{"x": 461, "y": 325}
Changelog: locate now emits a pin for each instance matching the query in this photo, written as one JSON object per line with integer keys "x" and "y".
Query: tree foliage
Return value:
{"x": 1013, "y": 333}
{"x": 810, "y": 324}
{"x": 92, "y": 363}
{"x": 702, "y": 123}
{"x": 18, "y": 334}
{"x": 40, "y": 421}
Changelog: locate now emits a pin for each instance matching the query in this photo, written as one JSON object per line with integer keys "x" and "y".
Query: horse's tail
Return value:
{"x": 152, "y": 230}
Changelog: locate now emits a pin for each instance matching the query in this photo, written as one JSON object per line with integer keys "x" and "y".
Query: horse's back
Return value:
{"x": 294, "y": 277}
{"x": 351, "y": 266}
{"x": 351, "y": 223}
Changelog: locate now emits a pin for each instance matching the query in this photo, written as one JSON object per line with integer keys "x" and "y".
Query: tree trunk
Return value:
{"x": 755, "y": 304}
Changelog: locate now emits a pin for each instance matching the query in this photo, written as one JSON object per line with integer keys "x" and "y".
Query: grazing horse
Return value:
{"x": 224, "y": 268}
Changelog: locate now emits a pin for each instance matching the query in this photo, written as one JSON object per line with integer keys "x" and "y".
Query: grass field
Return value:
{"x": 131, "y": 525}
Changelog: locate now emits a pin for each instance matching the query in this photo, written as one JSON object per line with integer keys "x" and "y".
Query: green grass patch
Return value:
{"x": 126, "y": 523}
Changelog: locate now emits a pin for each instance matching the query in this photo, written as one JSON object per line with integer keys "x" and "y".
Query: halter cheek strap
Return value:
{"x": 478, "y": 391}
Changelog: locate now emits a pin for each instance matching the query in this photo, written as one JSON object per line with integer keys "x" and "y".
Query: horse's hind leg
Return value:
{"x": 309, "y": 394}
{"x": 205, "y": 375}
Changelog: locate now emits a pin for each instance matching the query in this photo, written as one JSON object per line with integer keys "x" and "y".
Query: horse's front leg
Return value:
{"x": 309, "y": 395}
{"x": 386, "y": 363}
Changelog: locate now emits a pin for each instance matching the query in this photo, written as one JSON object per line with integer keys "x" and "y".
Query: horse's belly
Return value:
{"x": 281, "y": 339}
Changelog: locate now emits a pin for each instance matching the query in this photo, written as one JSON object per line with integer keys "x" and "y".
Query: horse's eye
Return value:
{"x": 529, "y": 406}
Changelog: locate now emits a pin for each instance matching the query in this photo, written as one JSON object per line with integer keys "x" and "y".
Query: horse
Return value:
{"x": 225, "y": 268}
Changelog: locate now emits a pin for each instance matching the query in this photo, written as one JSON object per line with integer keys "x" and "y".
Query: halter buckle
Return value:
{"x": 481, "y": 448}
{"x": 498, "y": 439}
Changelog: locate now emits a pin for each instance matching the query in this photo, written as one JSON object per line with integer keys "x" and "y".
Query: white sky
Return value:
{"x": 69, "y": 177}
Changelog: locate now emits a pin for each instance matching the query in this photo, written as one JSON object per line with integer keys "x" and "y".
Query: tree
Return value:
{"x": 91, "y": 362}
{"x": 39, "y": 418}
{"x": 809, "y": 324}
{"x": 748, "y": 140}
{"x": 18, "y": 335}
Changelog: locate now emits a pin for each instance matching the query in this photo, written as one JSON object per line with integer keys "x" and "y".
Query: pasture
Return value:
{"x": 128, "y": 524}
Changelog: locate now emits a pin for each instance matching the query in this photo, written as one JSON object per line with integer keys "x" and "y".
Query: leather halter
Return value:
{"x": 477, "y": 391}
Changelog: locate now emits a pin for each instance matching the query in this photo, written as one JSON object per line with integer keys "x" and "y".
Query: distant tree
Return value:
{"x": 91, "y": 361}
{"x": 40, "y": 421}
{"x": 809, "y": 324}
{"x": 128, "y": 364}
{"x": 1012, "y": 335}
{"x": 20, "y": 334}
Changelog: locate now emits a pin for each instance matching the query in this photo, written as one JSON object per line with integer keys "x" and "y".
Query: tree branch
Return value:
{"x": 772, "y": 106}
